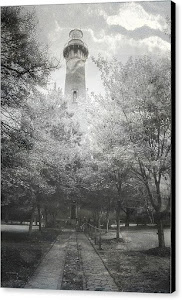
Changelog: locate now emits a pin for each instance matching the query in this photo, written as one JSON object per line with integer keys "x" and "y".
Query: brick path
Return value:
{"x": 96, "y": 275}
{"x": 70, "y": 260}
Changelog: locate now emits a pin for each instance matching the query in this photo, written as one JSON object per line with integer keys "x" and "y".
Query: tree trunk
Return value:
{"x": 118, "y": 219}
{"x": 127, "y": 219}
{"x": 108, "y": 215}
{"x": 54, "y": 219}
{"x": 150, "y": 216}
{"x": 98, "y": 221}
{"x": 160, "y": 233}
{"x": 118, "y": 229}
{"x": 31, "y": 219}
{"x": 107, "y": 225}
{"x": 107, "y": 221}
{"x": 39, "y": 217}
{"x": 45, "y": 211}
{"x": 6, "y": 215}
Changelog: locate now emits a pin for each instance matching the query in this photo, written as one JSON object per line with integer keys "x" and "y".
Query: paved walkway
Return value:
{"x": 50, "y": 271}
{"x": 72, "y": 263}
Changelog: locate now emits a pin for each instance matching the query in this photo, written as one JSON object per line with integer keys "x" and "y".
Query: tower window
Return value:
{"x": 74, "y": 96}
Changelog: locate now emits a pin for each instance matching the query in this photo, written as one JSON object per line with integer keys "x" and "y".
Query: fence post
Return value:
{"x": 90, "y": 230}
{"x": 95, "y": 236}
{"x": 92, "y": 233}
{"x": 100, "y": 242}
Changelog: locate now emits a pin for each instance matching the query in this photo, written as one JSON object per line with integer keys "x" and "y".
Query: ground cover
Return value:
{"x": 73, "y": 274}
{"x": 21, "y": 253}
{"x": 135, "y": 263}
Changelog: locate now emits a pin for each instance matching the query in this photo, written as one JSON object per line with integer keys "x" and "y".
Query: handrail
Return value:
{"x": 97, "y": 228}
{"x": 96, "y": 236}
{"x": 83, "y": 44}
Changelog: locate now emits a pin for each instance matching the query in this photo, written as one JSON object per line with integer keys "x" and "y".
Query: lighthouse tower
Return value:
{"x": 75, "y": 53}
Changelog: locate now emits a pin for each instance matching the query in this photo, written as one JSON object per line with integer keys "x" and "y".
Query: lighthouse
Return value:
{"x": 75, "y": 53}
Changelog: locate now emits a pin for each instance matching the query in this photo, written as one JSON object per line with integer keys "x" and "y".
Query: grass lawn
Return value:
{"x": 142, "y": 238}
{"x": 135, "y": 263}
{"x": 21, "y": 254}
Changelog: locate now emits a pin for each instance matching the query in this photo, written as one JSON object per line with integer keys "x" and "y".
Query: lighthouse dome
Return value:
{"x": 76, "y": 34}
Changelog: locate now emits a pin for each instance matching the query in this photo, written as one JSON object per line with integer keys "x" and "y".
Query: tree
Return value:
{"x": 107, "y": 138}
{"x": 57, "y": 145}
{"x": 24, "y": 62}
{"x": 24, "y": 66}
{"x": 141, "y": 92}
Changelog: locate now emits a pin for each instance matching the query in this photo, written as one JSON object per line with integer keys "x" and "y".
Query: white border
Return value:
{"x": 35, "y": 2}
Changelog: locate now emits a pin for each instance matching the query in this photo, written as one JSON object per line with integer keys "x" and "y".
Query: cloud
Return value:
{"x": 155, "y": 43}
{"x": 132, "y": 16}
{"x": 57, "y": 27}
{"x": 107, "y": 44}
{"x": 104, "y": 37}
{"x": 152, "y": 45}
{"x": 115, "y": 44}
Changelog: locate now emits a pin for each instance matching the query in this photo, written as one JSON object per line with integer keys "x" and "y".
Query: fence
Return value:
{"x": 94, "y": 233}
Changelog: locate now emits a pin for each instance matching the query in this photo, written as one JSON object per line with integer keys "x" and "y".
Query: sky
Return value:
{"x": 111, "y": 29}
